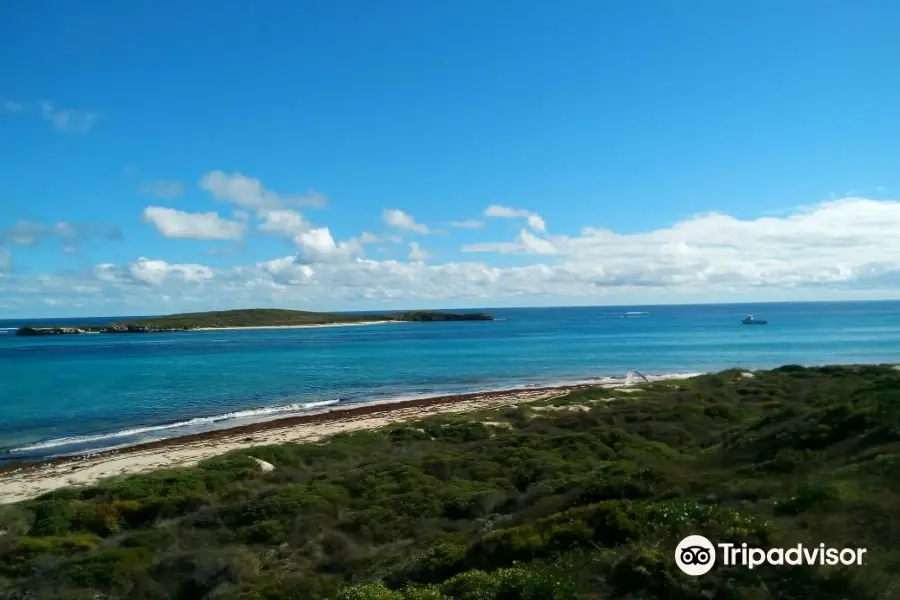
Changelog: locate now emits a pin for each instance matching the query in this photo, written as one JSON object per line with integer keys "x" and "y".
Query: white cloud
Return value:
{"x": 107, "y": 272}
{"x": 70, "y": 235}
{"x": 537, "y": 223}
{"x": 157, "y": 272}
{"x": 398, "y": 219}
{"x": 417, "y": 253}
{"x": 525, "y": 243}
{"x": 283, "y": 222}
{"x": 495, "y": 210}
{"x": 317, "y": 246}
{"x": 277, "y": 265}
{"x": 198, "y": 226}
{"x": 163, "y": 188}
{"x": 69, "y": 120}
{"x": 5, "y": 261}
{"x": 833, "y": 243}
{"x": 11, "y": 106}
{"x": 371, "y": 238}
{"x": 468, "y": 224}
{"x": 248, "y": 192}
{"x": 533, "y": 219}
{"x": 847, "y": 247}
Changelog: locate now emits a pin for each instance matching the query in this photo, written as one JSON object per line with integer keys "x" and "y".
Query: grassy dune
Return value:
{"x": 585, "y": 496}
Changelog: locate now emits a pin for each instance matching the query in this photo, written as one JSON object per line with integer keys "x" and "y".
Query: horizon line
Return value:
{"x": 377, "y": 311}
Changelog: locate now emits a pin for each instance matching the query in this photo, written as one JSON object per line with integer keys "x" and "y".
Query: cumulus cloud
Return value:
{"x": 533, "y": 219}
{"x": 196, "y": 226}
{"x": 156, "y": 272}
{"x": 69, "y": 120}
{"x": 837, "y": 242}
{"x": 248, "y": 192}
{"x": 162, "y": 188}
{"x": 398, "y": 219}
{"x": 495, "y": 210}
{"x": 836, "y": 247}
{"x": 417, "y": 253}
{"x": 537, "y": 223}
{"x": 317, "y": 246}
{"x": 524, "y": 243}
{"x": 284, "y": 222}
{"x": 468, "y": 224}
{"x": 108, "y": 273}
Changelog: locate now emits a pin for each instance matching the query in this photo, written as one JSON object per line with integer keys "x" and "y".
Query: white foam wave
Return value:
{"x": 240, "y": 414}
{"x": 264, "y": 414}
{"x": 611, "y": 381}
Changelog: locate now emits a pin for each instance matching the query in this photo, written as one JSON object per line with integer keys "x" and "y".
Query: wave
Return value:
{"x": 240, "y": 414}
{"x": 118, "y": 439}
{"x": 636, "y": 312}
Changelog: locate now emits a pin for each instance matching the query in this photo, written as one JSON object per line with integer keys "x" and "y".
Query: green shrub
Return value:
{"x": 559, "y": 503}
{"x": 108, "y": 568}
{"x": 369, "y": 591}
{"x": 20, "y": 554}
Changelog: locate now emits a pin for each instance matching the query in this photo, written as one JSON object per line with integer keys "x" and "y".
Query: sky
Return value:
{"x": 165, "y": 156}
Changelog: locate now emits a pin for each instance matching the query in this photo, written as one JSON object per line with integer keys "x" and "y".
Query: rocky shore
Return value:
{"x": 34, "y": 331}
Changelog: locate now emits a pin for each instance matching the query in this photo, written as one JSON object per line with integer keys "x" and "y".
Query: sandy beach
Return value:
{"x": 22, "y": 481}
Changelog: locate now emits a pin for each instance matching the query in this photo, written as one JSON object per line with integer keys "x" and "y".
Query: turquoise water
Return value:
{"x": 73, "y": 393}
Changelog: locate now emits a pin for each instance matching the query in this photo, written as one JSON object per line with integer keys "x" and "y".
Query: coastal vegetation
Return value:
{"x": 581, "y": 497}
{"x": 254, "y": 317}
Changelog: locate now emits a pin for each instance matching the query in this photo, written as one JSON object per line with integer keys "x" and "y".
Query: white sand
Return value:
{"x": 31, "y": 482}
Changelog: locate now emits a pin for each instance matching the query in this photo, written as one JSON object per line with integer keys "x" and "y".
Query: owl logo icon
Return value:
{"x": 695, "y": 555}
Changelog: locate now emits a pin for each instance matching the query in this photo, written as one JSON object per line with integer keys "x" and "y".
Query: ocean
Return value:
{"x": 68, "y": 394}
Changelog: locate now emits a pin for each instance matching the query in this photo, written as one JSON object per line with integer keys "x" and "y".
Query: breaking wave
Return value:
{"x": 195, "y": 422}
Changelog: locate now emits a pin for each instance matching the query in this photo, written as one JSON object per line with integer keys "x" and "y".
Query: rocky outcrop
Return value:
{"x": 49, "y": 330}
{"x": 33, "y": 331}
{"x": 138, "y": 329}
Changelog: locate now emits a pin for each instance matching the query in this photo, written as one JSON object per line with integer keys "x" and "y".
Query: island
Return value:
{"x": 249, "y": 319}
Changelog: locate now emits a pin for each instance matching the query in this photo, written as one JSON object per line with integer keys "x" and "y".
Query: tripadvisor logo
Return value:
{"x": 696, "y": 555}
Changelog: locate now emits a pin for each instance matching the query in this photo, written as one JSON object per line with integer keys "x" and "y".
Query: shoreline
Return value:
{"x": 355, "y": 323}
{"x": 24, "y": 480}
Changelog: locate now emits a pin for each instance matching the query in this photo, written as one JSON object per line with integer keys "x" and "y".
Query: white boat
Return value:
{"x": 751, "y": 320}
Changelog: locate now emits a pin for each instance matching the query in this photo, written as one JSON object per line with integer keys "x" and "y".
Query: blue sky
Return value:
{"x": 180, "y": 156}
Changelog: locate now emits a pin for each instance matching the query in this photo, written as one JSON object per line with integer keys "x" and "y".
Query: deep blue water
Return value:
{"x": 73, "y": 393}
